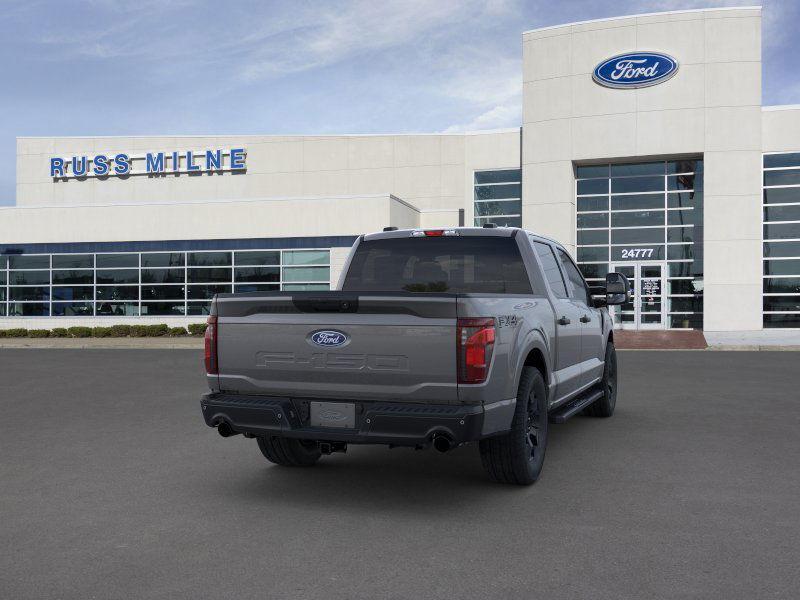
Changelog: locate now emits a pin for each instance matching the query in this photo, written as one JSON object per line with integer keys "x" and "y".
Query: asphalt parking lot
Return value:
{"x": 111, "y": 486}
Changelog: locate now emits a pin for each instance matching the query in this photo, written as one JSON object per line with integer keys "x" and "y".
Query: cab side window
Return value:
{"x": 576, "y": 281}
{"x": 551, "y": 271}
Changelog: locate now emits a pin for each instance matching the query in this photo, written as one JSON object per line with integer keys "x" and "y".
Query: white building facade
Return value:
{"x": 676, "y": 176}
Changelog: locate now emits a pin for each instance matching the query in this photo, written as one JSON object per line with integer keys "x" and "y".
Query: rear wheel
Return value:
{"x": 289, "y": 452}
{"x": 604, "y": 406}
{"x": 518, "y": 456}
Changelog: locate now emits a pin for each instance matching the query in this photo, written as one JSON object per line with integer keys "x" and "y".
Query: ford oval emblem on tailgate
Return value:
{"x": 329, "y": 338}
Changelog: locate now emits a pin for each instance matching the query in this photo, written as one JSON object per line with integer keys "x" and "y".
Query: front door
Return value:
{"x": 646, "y": 310}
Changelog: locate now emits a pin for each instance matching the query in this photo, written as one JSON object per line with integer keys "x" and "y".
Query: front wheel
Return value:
{"x": 518, "y": 456}
{"x": 289, "y": 452}
{"x": 604, "y": 406}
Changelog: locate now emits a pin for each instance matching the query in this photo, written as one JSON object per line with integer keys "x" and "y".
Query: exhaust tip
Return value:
{"x": 442, "y": 442}
{"x": 225, "y": 430}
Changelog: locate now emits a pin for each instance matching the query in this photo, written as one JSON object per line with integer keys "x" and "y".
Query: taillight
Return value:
{"x": 212, "y": 367}
{"x": 475, "y": 342}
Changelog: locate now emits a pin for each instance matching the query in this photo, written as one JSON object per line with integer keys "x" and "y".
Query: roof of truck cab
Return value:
{"x": 464, "y": 231}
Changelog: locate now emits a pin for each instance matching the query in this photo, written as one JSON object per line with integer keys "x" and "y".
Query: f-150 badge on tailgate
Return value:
{"x": 329, "y": 338}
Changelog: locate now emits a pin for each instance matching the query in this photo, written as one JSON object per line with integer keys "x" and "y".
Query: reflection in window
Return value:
{"x": 498, "y": 197}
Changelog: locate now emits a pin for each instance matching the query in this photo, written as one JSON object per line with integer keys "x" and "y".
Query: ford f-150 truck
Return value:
{"x": 433, "y": 338}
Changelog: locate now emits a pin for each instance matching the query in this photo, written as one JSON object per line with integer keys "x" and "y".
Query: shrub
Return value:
{"x": 101, "y": 332}
{"x": 2, "y": 333}
{"x": 38, "y": 333}
{"x": 17, "y": 332}
{"x": 80, "y": 332}
{"x": 197, "y": 328}
{"x": 59, "y": 332}
{"x": 157, "y": 330}
{"x": 176, "y": 331}
{"x": 138, "y": 330}
{"x": 120, "y": 330}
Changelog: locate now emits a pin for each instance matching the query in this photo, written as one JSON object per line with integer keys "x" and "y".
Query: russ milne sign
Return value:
{"x": 151, "y": 163}
{"x": 635, "y": 70}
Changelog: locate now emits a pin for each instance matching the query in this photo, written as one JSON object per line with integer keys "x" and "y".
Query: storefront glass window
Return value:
{"x": 498, "y": 197}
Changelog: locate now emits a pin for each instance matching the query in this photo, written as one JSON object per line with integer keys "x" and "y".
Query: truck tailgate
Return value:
{"x": 339, "y": 345}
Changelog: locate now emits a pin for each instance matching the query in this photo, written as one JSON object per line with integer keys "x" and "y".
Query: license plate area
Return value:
{"x": 336, "y": 415}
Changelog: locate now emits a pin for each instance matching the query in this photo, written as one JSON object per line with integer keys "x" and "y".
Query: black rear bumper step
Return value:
{"x": 574, "y": 406}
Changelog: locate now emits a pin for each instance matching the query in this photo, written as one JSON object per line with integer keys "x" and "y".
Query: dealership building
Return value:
{"x": 644, "y": 149}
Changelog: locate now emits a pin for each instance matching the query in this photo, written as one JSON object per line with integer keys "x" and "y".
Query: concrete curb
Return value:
{"x": 166, "y": 343}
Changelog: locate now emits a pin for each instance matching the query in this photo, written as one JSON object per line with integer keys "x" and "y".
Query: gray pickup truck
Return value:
{"x": 434, "y": 338}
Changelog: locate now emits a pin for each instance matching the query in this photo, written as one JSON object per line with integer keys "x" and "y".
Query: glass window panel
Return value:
{"x": 209, "y": 259}
{"x": 552, "y": 272}
{"x": 2, "y": 277}
{"x": 29, "y": 293}
{"x": 493, "y": 192}
{"x": 776, "y": 249}
{"x": 163, "y": 275}
{"x": 2, "y": 294}
{"x": 29, "y": 277}
{"x": 782, "y": 231}
{"x": 118, "y": 276}
{"x": 29, "y": 262}
{"x": 636, "y": 184}
{"x": 679, "y": 252}
{"x": 684, "y": 200}
{"x": 637, "y": 202}
{"x": 198, "y": 308}
{"x": 686, "y": 321}
{"x": 782, "y": 303}
{"x": 788, "y": 177}
{"x": 684, "y": 166}
{"x": 782, "y": 213}
{"x": 782, "y": 267}
{"x": 637, "y": 219}
{"x": 782, "y": 285}
{"x": 73, "y": 309}
{"x": 256, "y": 287}
{"x": 163, "y": 309}
{"x": 306, "y": 257}
{"x": 592, "y": 186}
{"x": 84, "y": 292}
{"x": 684, "y": 182}
{"x": 163, "y": 259}
{"x": 598, "y": 254}
{"x": 593, "y": 237}
{"x": 638, "y": 252}
{"x": 73, "y": 261}
{"x": 162, "y": 292}
{"x": 305, "y": 287}
{"x": 113, "y": 261}
{"x": 117, "y": 292}
{"x": 684, "y": 286}
{"x": 593, "y": 203}
{"x": 680, "y": 234}
{"x": 680, "y": 269}
{"x": 3, "y": 309}
{"x": 683, "y": 217}
{"x": 73, "y": 277}
{"x": 507, "y": 207}
{"x": 789, "y": 159}
{"x": 499, "y": 176}
{"x": 117, "y": 309}
{"x": 257, "y": 274}
{"x": 594, "y": 271}
{"x": 685, "y": 304}
{"x": 788, "y": 320}
{"x": 257, "y": 258}
{"x": 577, "y": 284}
{"x": 499, "y": 221}
{"x": 206, "y": 292}
{"x": 306, "y": 274}
{"x": 648, "y": 168}
{"x": 637, "y": 236}
{"x": 593, "y": 220}
{"x": 28, "y": 309}
{"x": 587, "y": 171}
{"x": 209, "y": 275}
{"x": 3, "y": 262}
{"x": 782, "y": 195}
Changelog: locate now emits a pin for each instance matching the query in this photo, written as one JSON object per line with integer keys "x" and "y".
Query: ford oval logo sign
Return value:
{"x": 635, "y": 70}
{"x": 329, "y": 338}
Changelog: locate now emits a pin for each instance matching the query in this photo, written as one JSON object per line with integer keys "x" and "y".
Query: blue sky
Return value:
{"x": 152, "y": 67}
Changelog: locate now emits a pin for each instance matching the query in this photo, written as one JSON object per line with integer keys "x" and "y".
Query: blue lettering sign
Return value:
{"x": 56, "y": 167}
{"x": 176, "y": 162}
{"x": 213, "y": 160}
{"x": 190, "y": 166}
{"x": 635, "y": 70}
{"x": 100, "y": 164}
{"x": 154, "y": 163}
{"x": 79, "y": 166}
{"x": 123, "y": 165}
{"x": 237, "y": 159}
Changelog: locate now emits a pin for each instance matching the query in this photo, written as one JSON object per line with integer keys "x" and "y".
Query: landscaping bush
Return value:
{"x": 176, "y": 331}
{"x": 138, "y": 330}
{"x": 38, "y": 333}
{"x": 80, "y": 332}
{"x": 120, "y": 330}
{"x": 101, "y": 332}
{"x": 197, "y": 328}
{"x": 157, "y": 330}
{"x": 2, "y": 333}
{"x": 60, "y": 332}
{"x": 17, "y": 332}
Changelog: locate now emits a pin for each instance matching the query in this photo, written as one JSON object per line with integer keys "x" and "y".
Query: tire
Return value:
{"x": 289, "y": 452}
{"x": 604, "y": 406}
{"x": 518, "y": 456}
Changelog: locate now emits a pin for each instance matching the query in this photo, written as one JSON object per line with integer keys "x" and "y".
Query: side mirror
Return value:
{"x": 618, "y": 290}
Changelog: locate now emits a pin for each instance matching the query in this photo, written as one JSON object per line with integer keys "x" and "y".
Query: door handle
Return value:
{"x": 564, "y": 321}
{"x": 585, "y": 319}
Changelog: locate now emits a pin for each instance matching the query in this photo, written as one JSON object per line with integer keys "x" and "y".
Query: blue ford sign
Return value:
{"x": 329, "y": 338}
{"x": 635, "y": 70}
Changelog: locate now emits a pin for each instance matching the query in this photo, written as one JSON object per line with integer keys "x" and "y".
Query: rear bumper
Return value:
{"x": 395, "y": 423}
